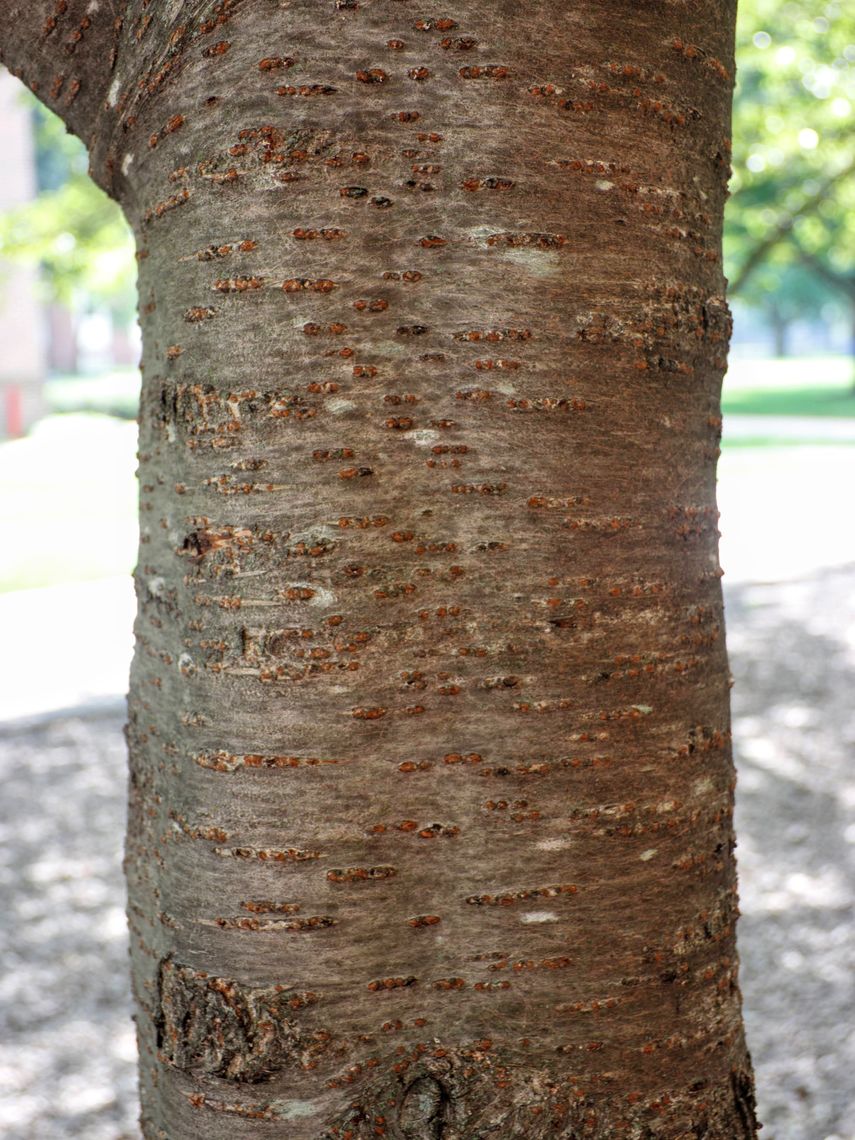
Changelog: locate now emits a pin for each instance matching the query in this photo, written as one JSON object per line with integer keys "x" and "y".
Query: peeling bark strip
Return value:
{"x": 430, "y": 808}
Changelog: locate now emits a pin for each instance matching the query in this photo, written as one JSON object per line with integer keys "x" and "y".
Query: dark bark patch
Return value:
{"x": 222, "y": 1028}
{"x": 268, "y": 854}
{"x": 461, "y": 43}
{"x": 359, "y": 874}
{"x": 372, "y": 75}
{"x": 528, "y": 240}
{"x": 398, "y": 983}
{"x": 306, "y": 90}
{"x": 237, "y": 284}
{"x": 491, "y": 71}
{"x": 170, "y": 203}
{"x": 273, "y": 62}
{"x": 242, "y": 922}
{"x": 199, "y": 313}
{"x": 423, "y": 1111}
{"x": 473, "y": 184}
{"x": 743, "y": 1099}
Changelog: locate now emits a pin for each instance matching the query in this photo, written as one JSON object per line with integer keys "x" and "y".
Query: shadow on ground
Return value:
{"x": 792, "y": 649}
{"x": 66, "y": 1040}
{"x": 66, "y": 1045}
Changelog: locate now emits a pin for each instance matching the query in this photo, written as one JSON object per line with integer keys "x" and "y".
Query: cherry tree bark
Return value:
{"x": 431, "y": 786}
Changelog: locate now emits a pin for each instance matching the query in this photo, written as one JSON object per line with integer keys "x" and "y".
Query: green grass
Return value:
{"x": 804, "y": 386}
{"x": 68, "y": 502}
{"x": 753, "y": 442}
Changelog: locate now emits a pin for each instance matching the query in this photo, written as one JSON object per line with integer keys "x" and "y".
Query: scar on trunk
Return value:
{"x": 222, "y": 1028}
{"x": 423, "y": 1111}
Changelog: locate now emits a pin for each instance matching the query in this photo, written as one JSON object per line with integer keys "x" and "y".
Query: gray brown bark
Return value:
{"x": 431, "y": 791}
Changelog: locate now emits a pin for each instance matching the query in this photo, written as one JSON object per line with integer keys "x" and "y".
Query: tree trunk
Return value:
{"x": 780, "y": 327}
{"x": 430, "y": 809}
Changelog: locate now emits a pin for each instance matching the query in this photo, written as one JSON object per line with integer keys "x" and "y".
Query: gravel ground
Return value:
{"x": 66, "y": 1045}
{"x": 792, "y": 648}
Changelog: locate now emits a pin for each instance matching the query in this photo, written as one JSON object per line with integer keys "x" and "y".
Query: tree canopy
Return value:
{"x": 790, "y": 225}
{"x": 792, "y": 211}
{"x": 72, "y": 230}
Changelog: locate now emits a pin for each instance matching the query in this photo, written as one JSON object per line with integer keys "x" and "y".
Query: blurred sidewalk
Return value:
{"x": 785, "y": 510}
{"x": 65, "y": 647}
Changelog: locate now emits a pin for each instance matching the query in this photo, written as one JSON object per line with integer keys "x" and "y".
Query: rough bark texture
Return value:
{"x": 431, "y": 784}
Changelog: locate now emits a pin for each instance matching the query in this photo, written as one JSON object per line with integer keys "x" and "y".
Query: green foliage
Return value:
{"x": 72, "y": 230}
{"x": 791, "y": 219}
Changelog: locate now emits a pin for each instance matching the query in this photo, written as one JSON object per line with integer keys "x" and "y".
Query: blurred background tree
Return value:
{"x": 790, "y": 236}
{"x": 82, "y": 246}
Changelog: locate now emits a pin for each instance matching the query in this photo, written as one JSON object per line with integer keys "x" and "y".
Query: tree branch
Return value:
{"x": 785, "y": 227}
{"x": 845, "y": 282}
{"x": 65, "y": 52}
